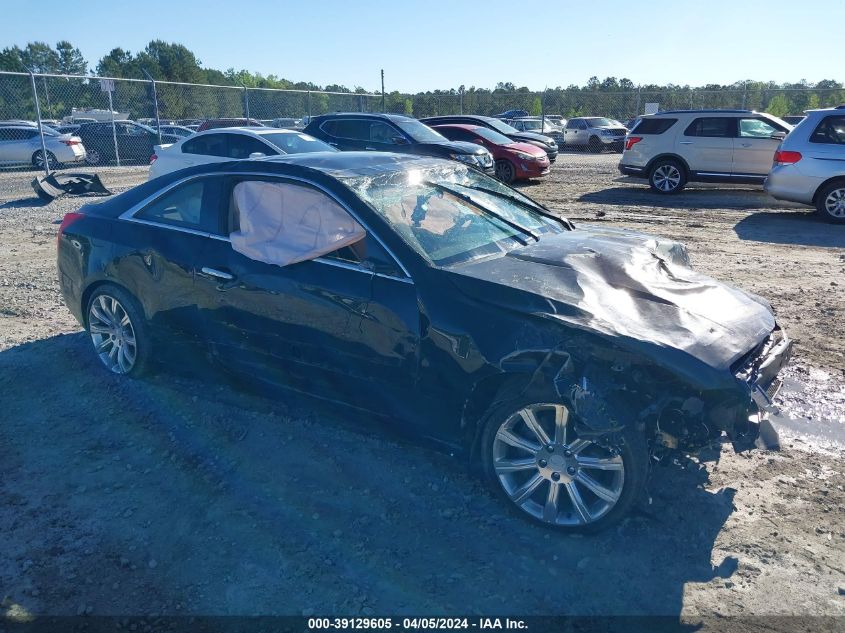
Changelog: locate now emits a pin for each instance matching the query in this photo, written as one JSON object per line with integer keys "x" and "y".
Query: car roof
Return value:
{"x": 365, "y": 115}
{"x": 463, "y": 126}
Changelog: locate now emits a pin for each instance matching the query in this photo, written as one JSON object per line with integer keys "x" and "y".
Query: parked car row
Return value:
{"x": 804, "y": 164}
{"x": 20, "y": 144}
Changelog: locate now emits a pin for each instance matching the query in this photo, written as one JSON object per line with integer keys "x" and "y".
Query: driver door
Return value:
{"x": 322, "y": 326}
{"x": 754, "y": 147}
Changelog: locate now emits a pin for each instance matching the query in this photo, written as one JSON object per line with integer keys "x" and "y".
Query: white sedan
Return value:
{"x": 231, "y": 143}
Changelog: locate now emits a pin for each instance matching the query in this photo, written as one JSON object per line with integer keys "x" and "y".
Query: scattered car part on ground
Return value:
{"x": 514, "y": 161}
{"x": 57, "y": 184}
{"x": 556, "y": 356}
{"x": 231, "y": 143}
{"x": 809, "y": 164}
{"x": 353, "y": 131}
{"x": 674, "y": 147}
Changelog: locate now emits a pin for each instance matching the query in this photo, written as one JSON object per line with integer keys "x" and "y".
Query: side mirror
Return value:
{"x": 779, "y": 135}
{"x": 257, "y": 155}
{"x": 478, "y": 141}
{"x": 399, "y": 140}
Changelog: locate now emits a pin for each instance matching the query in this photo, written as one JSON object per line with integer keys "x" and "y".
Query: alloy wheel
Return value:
{"x": 51, "y": 160}
{"x": 552, "y": 474}
{"x": 505, "y": 171}
{"x": 834, "y": 203}
{"x": 112, "y": 334}
{"x": 666, "y": 177}
{"x": 92, "y": 157}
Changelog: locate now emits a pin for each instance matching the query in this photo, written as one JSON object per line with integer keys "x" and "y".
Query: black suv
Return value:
{"x": 135, "y": 142}
{"x": 354, "y": 131}
{"x": 542, "y": 141}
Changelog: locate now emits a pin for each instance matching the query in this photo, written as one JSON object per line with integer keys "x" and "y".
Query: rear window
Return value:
{"x": 653, "y": 126}
{"x": 830, "y": 131}
{"x": 712, "y": 126}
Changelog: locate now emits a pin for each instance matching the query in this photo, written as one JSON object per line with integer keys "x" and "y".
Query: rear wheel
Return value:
{"x": 118, "y": 331}
{"x": 535, "y": 459}
{"x": 93, "y": 157}
{"x": 38, "y": 160}
{"x": 667, "y": 176}
{"x": 505, "y": 171}
{"x": 830, "y": 202}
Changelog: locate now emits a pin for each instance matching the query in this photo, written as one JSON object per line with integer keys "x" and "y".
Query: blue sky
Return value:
{"x": 443, "y": 44}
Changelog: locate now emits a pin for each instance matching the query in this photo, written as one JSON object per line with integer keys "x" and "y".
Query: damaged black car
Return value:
{"x": 452, "y": 307}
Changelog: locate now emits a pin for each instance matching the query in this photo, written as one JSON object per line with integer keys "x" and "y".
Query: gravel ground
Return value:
{"x": 187, "y": 494}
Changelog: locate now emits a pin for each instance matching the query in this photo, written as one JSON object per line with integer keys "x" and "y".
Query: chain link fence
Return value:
{"x": 105, "y": 112}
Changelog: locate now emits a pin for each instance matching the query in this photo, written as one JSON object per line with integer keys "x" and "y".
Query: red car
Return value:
{"x": 514, "y": 161}
{"x": 216, "y": 123}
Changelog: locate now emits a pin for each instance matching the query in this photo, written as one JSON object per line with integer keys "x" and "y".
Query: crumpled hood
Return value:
{"x": 627, "y": 286}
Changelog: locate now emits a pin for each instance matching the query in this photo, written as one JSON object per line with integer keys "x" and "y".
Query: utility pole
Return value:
{"x": 155, "y": 103}
{"x": 40, "y": 127}
{"x": 382, "y": 89}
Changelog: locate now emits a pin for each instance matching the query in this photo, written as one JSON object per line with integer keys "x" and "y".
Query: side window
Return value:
{"x": 283, "y": 223}
{"x": 830, "y": 131}
{"x": 6, "y": 134}
{"x": 383, "y": 133}
{"x": 241, "y": 146}
{"x": 755, "y": 128}
{"x": 207, "y": 145}
{"x": 193, "y": 205}
{"x": 711, "y": 127}
{"x": 358, "y": 130}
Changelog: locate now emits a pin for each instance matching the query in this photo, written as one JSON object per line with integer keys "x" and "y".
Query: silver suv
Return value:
{"x": 594, "y": 133}
{"x": 809, "y": 165}
{"x": 674, "y": 147}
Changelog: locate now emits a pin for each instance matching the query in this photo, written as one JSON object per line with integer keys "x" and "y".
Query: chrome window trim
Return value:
{"x": 129, "y": 215}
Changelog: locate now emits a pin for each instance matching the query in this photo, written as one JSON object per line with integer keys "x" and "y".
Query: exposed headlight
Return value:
{"x": 525, "y": 156}
{"x": 608, "y": 133}
{"x": 469, "y": 159}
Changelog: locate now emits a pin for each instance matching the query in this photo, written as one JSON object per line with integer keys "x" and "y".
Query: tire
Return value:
{"x": 571, "y": 484}
{"x": 505, "y": 171}
{"x": 123, "y": 346}
{"x": 594, "y": 145}
{"x": 93, "y": 157}
{"x": 667, "y": 176}
{"x": 38, "y": 161}
{"x": 830, "y": 202}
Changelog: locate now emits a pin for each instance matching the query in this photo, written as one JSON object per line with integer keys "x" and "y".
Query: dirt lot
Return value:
{"x": 185, "y": 494}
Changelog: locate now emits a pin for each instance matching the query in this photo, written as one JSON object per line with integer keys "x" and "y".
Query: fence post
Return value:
{"x": 462, "y": 97}
{"x": 639, "y": 95}
{"x": 155, "y": 103}
{"x": 40, "y": 128}
{"x": 382, "y": 90}
{"x": 744, "y": 94}
{"x": 246, "y": 101}
{"x": 309, "y": 105}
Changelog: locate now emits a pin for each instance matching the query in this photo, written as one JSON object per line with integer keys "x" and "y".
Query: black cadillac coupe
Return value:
{"x": 556, "y": 357}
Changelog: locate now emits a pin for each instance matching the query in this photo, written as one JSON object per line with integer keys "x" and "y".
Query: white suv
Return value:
{"x": 678, "y": 146}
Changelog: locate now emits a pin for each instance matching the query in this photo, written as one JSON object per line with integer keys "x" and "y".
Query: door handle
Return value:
{"x": 373, "y": 149}
{"x": 684, "y": 142}
{"x": 219, "y": 274}
{"x": 746, "y": 144}
{"x": 333, "y": 144}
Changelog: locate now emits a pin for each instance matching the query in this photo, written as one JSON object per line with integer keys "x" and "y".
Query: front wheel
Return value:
{"x": 93, "y": 157}
{"x": 505, "y": 171}
{"x": 118, "y": 331}
{"x": 830, "y": 202}
{"x": 667, "y": 176}
{"x": 535, "y": 459}
{"x": 594, "y": 145}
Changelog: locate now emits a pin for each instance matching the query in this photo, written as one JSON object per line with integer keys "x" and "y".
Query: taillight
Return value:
{"x": 786, "y": 158}
{"x": 631, "y": 141}
{"x": 72, "y": 142}
{"x": 153, "y": 159}
{"x": 69, "y": 219}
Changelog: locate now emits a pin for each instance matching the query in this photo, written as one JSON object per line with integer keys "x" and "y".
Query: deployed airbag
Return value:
{"x": 283, "y": 223}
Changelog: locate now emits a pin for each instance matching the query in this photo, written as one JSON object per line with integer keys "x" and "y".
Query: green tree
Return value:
{"x": 536, "y": 107}
{"x": 70, "y": 60}
{"x": 778, "y": 106}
